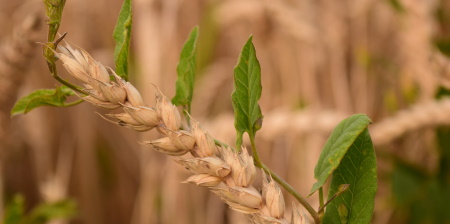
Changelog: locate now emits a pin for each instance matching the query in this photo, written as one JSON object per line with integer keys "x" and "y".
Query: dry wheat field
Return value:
{"x": 321, "y": 61}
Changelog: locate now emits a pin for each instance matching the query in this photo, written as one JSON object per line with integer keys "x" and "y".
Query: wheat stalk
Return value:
{"x": 418, "y": 116}
{"x": 227, "y": 173}
{"x": 15, "y": 55}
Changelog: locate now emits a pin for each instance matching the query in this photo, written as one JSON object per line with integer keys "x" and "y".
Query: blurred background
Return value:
{"x": 321, "y": 60}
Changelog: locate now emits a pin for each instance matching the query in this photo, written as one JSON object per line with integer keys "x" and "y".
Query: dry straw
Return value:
{"x": 227, "y": 173}
{"x": 15, "y": 55}
{"x": 418, "y": 116}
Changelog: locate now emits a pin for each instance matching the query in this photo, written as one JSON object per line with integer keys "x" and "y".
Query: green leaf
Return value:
{"x": 43, "y": 97}
{"x": 186, "y": 72}
{"x": 122, "y": 34}
{"x": 14, "y": 211}
{"x": 45, "y": 212}
{"x": 359, "y": 169}
{"x": 247, "y": 91}
{"x": 342, "y": 137}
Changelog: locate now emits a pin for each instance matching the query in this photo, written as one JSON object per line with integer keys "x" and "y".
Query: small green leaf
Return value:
{"x": 122, "y": 34}
{"x": 43, "y": 97}
{"x": 359, "y": 169}
{"x": 45, "y": 212}
{"x": 247, "y": 91}
{"x": 337, "y": 144}
{"x": 186, "y": 72}
{"x": 14, "y": 211}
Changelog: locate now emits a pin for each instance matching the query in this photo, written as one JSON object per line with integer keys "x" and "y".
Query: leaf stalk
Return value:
{"x": 321, "y": 204}
{"x": 343, "y": 188}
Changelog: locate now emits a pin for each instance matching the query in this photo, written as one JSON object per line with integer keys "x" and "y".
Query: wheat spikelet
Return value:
{"x": 227, "y": 173}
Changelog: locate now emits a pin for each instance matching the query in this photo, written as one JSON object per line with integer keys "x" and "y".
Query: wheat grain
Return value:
{"x": 227, "y": 173}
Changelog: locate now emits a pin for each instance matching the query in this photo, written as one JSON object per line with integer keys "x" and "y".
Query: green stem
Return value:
{"x": 284, "y": 184}
{"x": 219, "y": 143}
{"x": 54, "y": 73}
{"x": 320, "y": 203}
{"x": 322, "y": 207}
{"x": 54, "y": 9}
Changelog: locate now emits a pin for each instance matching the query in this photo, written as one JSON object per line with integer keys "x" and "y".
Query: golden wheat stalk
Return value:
{"x": 227, "y": 173}
{"x": 417, "y": 117}
{"x": 15, "y": 55}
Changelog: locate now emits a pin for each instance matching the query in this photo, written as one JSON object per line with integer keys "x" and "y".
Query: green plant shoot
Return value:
{"x": 186, "y": 71}
{"x": 247, "y": 91}
{"x": 122, "y": 35}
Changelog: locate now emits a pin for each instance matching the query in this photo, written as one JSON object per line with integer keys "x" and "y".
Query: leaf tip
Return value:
{"x": 364, "y": 116}
{"x": 250, "y": 39}
{"x": 13, "y": 114}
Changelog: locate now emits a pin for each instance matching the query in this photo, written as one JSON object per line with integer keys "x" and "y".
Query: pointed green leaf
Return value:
{"x": 336, "y": 146}
{"x": 42, "y": 97}
{"x": 359, "y": 169}
{"x": 247, "y": 91}
{"x": 186, "y": 72}
{"x": 122, "y": 34}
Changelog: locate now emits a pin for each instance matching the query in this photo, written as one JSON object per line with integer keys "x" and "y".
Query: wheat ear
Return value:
{"x": 227, "y": 173}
